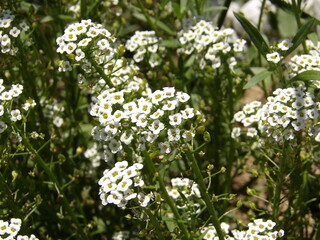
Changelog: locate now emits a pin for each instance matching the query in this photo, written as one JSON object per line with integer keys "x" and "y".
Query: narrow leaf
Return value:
{"x": 158, "y": 23}
{"x": 170, "y": 43}
{"x": 257, "y": 78}
{"x": 300, "y": 36}
{"x": 254, "y": 34}
{"x": 307, "y": 75}
{"x": 215, "y": 8}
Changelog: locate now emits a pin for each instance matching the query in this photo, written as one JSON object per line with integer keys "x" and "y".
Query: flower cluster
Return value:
{"x": 6, "y": 108}
{"x": 301, "y": 63}
{"x": 10, "y": 230}
{"x": 93, "y": 155}
{"x": 289, "y": 111}
{"x": 142, "y": 121}
{"x": 258, "y": 229}
{"x": 185, "y": 192}
{"x": 53, "y": 110}
{"x": 145, "y": 45}
{"x": 183, "y": 187}
{"x": 86, "y": 44}
{"x": 282, "y": 47}
{"x": 123, "y": 235}
{"x": 10, "y": 30}
{"x": 121, "y": 184}
{"x": 210, "y": 45}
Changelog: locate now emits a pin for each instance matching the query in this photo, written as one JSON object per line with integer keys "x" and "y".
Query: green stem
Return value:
{"x": 261, "y": 14}
{"x": 199, "y": 6}
{"x": 12, "y": 203}
{"x": 297, "y": 12}
{"x": 165, "y": 195}
{"x": 223, "y": 13}
{"x": 150, "y": 22}
{"x": 206, "y": 197}
{"x": 279, "y": 184}
{"x": 52, "y": 178}
{"x": 101, "y": 72}
{"x": 155, "y": 223}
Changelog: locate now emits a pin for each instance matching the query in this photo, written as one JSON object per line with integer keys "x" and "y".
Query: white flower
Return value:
{"x": 144, "y": 107}
{"x": 115, "y": 197}
{"x": 236, "y": 132}
{"x": 126, "y": 138}
{"x": 156, "y": 127}
{"x": 174, "y": 134}
{"x": 239, "y": 116}
{"x": 70, "y": 47}
{"x": 143, "y": 199}
{"x": 15, "y": 115}
{"x": 188, "y": 135}
{"x": 187, "y": 113}
{"x": 183, "y": 97}
{"x": 157, "y": 96}
{"x": 58, "y": 121}
{"x": 115, "y": 146}
{"x": 14, "y": 32}
{"x": 79, "y": 55}
{"x": 285, "y": 45}
{"x": 3, "y": 126}
{"x": 175, "y": 119}
{"x": 164, "y": 148}
{"x": 157, "y": 114}
{"x": 124, "y": 185}
{"x": 273, "y": 57}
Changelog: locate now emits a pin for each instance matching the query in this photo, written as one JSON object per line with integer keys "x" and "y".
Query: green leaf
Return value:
{"x": 176, "y": 10}
{"x": 46, "y": 19}
{"x": 170, "y": 43}
{"x": 158, "y": 23}
{"x": 254, "y": 35}
{"x": 257, "y": 78}
{"x": 66, "y": 17}
{"x": 215, "y": 8}
{"x": 300, "y": 36}
{"x": 307, "y": 75}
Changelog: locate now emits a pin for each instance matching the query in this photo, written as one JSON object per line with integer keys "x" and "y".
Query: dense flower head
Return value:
{"x": 11, "y": 28}
{"x": 186, "y": 194}
{"x": 9, "y": 108}
{"x": 209, "y": 44}
{"x": 143, "y": 120}
{"x": 304, "y": 62}
{"x": 122, "y": 184}
{"x": 10, "y": 230}
{"x": 89, "y": 45}
{"x": 287, "y": 112}
{"x": 258, "y": 229}
{"x": 145, "y": 45}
